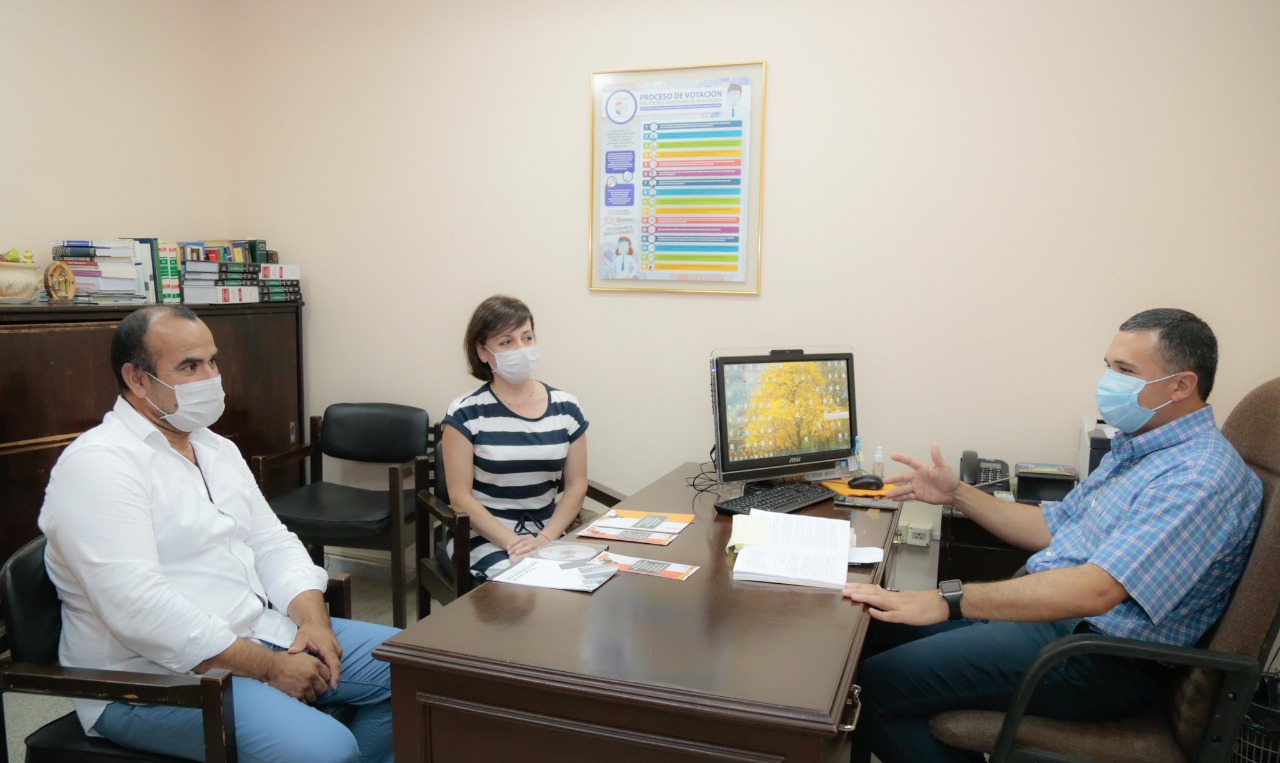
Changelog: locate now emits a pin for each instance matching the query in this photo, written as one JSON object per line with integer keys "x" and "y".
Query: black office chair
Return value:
{"x": 325, "y": 513}
{"x": 441, "y": 532}
{"x": 33, "y": 620}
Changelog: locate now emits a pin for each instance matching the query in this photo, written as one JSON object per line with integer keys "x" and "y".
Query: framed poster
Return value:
{"x": 675, "y": 179}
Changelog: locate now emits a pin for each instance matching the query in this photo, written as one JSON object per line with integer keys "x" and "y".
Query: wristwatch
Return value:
{"x": 952, "y": 591}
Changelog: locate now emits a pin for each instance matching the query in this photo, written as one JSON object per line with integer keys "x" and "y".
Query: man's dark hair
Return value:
{"x": 129, "y": 343}
{"x": 1183, "y": 343}
{"x": 496, "y": 315}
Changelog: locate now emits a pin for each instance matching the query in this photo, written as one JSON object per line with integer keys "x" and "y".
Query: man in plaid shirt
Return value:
{"x": 1147, "y": 547}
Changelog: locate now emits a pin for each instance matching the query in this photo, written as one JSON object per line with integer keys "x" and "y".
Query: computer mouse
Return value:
{"x": 866, "y": 482}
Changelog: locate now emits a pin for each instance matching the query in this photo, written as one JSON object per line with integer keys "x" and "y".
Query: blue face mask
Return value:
{"x": 1117, "y": 397}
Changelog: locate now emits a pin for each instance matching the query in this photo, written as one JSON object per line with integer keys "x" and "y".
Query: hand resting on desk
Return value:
{"x": 909, "y": 607}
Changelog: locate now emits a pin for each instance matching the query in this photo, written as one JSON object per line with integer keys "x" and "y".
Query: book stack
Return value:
{"x": 209, "y": 272}
{"x": 223, "y": 250}
{"x": 111, "y": 271}
{"x": 206, "y": 282}
{"x": 165, "y": 270}
{"x": 281, "y": 283}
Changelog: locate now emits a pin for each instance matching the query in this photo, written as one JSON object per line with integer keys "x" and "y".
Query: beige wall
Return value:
{"x": 970, "y": 195}
{"x": 113, "y": 120}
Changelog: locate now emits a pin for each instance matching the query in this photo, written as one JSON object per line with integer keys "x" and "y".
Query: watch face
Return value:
{"x": 949, "y": 586}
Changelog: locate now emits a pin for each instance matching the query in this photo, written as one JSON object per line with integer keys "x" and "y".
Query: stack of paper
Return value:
{"x": 791, "y": 548}
{"x": 560, "y": 565}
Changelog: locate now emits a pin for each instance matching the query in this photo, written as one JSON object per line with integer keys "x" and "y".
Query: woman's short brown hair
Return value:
{"x": 496, "y": 315}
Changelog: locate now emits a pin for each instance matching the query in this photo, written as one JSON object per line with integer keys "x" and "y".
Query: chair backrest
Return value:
{"x": 32, "y": 611}
{"x": 381, "y": 433}
{"x": 1249, "y": 624}
{"x": 439, "y": 486}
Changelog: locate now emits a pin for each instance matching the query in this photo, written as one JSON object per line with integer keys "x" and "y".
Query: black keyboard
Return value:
{"x": 788, "y": 496}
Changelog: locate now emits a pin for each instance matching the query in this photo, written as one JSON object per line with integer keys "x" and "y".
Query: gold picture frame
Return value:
{"x": 676, "y": 168}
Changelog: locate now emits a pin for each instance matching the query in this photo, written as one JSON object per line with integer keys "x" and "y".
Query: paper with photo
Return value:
{"x": 567, "y": 576}
{"x": 654, "y": 567}
{"x": 651, "y": 521}
{"x": 632, "y": 536}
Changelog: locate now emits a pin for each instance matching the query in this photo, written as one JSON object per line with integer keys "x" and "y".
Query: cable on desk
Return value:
{"x": 704, "y": 481}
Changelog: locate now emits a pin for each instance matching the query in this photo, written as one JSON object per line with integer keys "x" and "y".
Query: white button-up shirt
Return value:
{"x": 160, "y": 564}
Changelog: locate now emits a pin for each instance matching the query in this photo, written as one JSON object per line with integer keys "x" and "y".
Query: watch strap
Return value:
{"x": 953, "y": 601}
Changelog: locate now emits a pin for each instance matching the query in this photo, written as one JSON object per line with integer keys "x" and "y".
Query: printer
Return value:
{"x": 1100, "y": 444}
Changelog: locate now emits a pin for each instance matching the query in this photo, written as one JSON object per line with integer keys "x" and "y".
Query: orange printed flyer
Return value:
{"x": 669, "y": 570}
{"x": 652, "y": 521}
{"x": 633, "y": 536}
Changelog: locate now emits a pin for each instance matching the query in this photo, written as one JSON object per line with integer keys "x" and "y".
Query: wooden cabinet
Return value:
{"x": 972, "y": 554}
{"x": 56, "y": 382}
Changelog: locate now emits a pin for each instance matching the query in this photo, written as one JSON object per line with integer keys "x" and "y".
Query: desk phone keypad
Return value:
{"x": 989, "y": 474}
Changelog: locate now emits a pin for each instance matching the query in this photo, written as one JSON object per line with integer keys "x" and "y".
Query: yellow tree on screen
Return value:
{"x": 789, "y": 411}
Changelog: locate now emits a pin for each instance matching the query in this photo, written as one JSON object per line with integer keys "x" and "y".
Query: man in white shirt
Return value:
{"x": 167, "y": 559}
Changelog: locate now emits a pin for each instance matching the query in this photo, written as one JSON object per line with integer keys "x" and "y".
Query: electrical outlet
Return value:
{"x": 919, "y": 535}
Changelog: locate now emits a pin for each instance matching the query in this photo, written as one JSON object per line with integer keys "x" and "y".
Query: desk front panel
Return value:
{"x": 642, "y": 661}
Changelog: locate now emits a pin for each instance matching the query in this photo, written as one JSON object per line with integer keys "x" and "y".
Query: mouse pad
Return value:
{"x": 840, "y": 487}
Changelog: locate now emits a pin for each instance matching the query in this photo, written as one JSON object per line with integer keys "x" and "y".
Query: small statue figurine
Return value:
{"x": 59, "y": 282}
{"x": 28, "y": 257}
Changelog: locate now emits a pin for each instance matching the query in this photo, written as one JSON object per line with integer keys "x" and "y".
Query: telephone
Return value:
{"x": 987, "y": 475}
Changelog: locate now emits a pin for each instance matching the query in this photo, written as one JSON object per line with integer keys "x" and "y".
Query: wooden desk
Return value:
{"x": 644, "y": 669}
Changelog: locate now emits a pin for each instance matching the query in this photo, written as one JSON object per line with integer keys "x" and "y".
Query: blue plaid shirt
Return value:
{"x": 1170, "y": 514}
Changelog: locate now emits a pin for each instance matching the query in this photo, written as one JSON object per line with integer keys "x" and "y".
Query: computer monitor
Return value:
{"x": 782, "y": 413}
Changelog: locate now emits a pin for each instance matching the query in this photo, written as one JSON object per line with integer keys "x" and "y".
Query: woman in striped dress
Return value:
{"x": 512, "y": 445}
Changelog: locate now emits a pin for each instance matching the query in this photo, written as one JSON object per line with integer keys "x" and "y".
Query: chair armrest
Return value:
{"x": 264, "y": 464}
{"x": 603, "y": 494}
{"x": 459, "y": 525}
{"x": 338, "y": 594}
{"x": 442, "y": 511}
{"x": 110, "y": 685}
{"x": 210, "y": 693}
{"x": 1240, "y": 678}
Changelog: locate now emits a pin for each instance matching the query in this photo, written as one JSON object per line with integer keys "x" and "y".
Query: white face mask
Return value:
{"x": 200, "y": 404}
{"x": 515, "y": 365}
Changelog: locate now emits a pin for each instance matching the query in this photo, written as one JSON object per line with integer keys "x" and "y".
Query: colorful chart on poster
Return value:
{"x": 672, "y": 165}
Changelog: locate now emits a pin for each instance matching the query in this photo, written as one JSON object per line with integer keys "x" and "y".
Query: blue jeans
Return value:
{"x": 271, "y": 726}
{"x": 916, "y": 671}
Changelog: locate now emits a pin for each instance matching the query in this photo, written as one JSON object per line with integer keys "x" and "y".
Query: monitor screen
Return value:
{"x": 782, "y": 414}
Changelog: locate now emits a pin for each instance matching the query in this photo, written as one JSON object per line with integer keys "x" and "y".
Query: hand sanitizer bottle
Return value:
{"x": 877, "y": 462}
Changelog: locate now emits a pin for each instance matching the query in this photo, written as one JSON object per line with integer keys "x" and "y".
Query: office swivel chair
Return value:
{"x": 325, "y": 513}
{"x": 1201, "y": 713}
{"x": 33, "y": 619}
{"x": 438, "y": 524}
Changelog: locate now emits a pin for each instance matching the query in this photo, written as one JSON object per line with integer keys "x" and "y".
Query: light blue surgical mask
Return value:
{"x": 1117, "y": 397}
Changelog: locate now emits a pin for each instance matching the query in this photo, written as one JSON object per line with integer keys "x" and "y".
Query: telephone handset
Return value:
{"x": 988, "y": 475}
